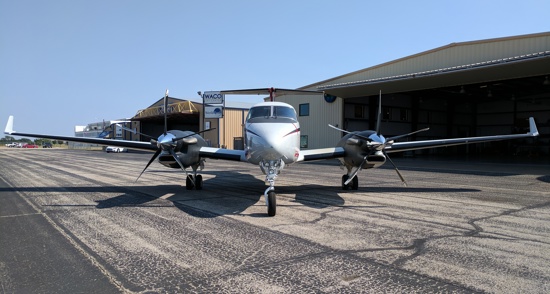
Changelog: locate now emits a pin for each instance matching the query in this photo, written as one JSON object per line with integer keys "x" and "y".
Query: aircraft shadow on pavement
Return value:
{"x": 227, "y": 193}
{"x": 318, "y": 196}
{"x": 545, "y": 179}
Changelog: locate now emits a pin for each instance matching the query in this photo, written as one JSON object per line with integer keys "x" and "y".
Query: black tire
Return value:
{"x": 271, "y": 203}
{"x": 198, "y": 182}
{"x": 344, "y": 179}
{"x": 355, "y": 183}
{"x": 189, "y": 182}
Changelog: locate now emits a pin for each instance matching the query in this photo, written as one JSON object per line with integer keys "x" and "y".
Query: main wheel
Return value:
{"x": 271, "y": 203}
{"x": 344, "y": 179}
{"x": 198, "y": 182}
{"x": 189, "y": 182}
{"x": 355, "y": 183}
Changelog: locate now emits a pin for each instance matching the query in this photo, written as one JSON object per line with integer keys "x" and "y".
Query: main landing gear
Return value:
{"x": 353, "y": 185}
{"x": 193, "y": 182}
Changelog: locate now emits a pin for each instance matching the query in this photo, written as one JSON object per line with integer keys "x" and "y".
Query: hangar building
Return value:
{"x": 187, "y": 115}
{"x": 476, "y": 88}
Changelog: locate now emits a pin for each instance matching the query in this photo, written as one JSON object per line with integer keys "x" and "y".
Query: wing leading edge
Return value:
{"x": 415, "y": 145}
{"x": 322, "y": 153}
{"x": 107, "y": 142}
{"x": 220, "y": 153}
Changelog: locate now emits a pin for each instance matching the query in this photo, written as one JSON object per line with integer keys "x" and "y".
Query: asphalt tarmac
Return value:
{"x": 75, "y": 222}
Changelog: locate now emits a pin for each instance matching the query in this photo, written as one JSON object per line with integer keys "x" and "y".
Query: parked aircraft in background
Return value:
{"x": 272, "y": 141}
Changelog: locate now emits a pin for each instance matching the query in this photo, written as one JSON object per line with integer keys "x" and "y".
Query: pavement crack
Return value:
{"x": 478, "y": 229}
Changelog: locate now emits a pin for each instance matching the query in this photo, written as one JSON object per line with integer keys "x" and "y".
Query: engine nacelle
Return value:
{"x": 356, "y": 148}
{"x": 187, "y": 149}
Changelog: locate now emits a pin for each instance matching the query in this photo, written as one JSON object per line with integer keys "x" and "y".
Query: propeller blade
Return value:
{"x": 356, "y": 171}
{"x": 149, "y": 163}
{"x": 348, "y": 132}
{"x": 406, "y": 135}
{"x": 166, "y": 112}
{"x": 134, "y": 131}
{"x": 379, "y": 119}
{"x": 196, "y": 133}
{"x": 396, "y": 169}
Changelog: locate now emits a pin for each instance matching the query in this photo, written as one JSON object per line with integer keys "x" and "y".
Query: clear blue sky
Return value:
{"x": 72, "y": 62}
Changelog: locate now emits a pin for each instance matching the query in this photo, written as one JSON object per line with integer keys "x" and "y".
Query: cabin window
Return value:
{"x": 304, "y": 109}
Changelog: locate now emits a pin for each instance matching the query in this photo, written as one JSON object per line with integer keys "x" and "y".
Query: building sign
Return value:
{"x": 213, "y": 111}
{"x": 213, "y": 97}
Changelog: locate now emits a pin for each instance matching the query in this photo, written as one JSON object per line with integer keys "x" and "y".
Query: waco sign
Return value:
{"x": 212, "y": 97}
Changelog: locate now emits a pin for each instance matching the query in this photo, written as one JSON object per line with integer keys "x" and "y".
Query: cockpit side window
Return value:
{"x": 259, "y": 111}
{"x": 283, "y": 111}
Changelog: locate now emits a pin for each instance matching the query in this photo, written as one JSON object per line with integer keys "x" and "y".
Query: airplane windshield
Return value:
{"x": 283, "y": 111}
{"x": 265, "y": 112}
{"x": 259, "y": 111}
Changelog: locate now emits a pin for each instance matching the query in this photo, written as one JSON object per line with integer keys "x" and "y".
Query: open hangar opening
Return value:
{"x": 186, "y": 115}
{"x": 478, "y": 88}
{"x": 181, "y": 115}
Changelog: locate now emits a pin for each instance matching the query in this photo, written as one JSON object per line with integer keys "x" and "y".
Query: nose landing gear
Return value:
{"x": 271, "y": 169}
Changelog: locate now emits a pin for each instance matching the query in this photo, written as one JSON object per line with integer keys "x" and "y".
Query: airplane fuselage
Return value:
{"x": 272, "y": 133}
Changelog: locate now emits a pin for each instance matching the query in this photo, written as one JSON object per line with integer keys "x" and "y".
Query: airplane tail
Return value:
{"x": 9, "y": 126}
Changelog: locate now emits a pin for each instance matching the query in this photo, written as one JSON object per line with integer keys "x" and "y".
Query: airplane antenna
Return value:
{"x": 166, "y": 112}
{"x": 379, "y": 113}
{"x": 271, "y": 94}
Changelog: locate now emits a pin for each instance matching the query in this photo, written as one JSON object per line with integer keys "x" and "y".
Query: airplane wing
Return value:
{"x": 322, "y": 153}
{"x": 220, "y": 153}
{"x": 415, "y": 145}
{"x": 267, "y": 91}
{"x": 107, "y": 142}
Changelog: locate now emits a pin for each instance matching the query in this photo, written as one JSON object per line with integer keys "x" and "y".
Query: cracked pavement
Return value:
{"x": 75, "y": 221}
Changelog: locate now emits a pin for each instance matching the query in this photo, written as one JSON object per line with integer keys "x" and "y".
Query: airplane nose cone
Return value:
{"x": 272, "y": 143}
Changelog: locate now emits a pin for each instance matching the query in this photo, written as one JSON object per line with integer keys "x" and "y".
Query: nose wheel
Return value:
{"x": 271, "y": 203}
{"x": 271, "y": 169}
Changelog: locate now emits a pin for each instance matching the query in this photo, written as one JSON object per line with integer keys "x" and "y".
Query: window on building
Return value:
{"x": 304, "y": 109}
{"x": 303, "y": 141}
{"x": 386, "y": 113}
{"x": 359, "y": 111}
{"x": 404, "y": 115}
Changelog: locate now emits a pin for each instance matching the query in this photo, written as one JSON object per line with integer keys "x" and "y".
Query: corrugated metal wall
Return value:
{"x": 454, "y": 54}
{"x": 231, "y": 126}
{"x": 321, "y": 113}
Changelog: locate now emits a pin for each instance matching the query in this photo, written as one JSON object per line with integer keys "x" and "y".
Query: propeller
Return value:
{"x": 167, "y": 141}
{"x": 379, "y": 144}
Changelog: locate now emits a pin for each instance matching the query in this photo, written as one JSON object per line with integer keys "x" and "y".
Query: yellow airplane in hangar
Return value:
{"x": 272, "y": 141}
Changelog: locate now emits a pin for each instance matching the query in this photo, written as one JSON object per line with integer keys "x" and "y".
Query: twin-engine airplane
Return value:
{"x": 272, "y": 140}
